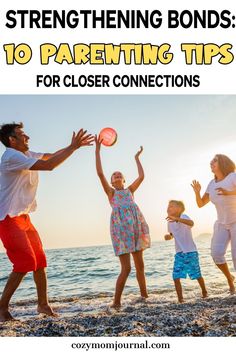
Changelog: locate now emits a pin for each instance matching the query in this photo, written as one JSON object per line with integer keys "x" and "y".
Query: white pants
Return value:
{"x": 222, "y": 236}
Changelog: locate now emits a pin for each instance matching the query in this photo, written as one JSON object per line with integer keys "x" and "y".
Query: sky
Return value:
{"x": 180, "y": 135}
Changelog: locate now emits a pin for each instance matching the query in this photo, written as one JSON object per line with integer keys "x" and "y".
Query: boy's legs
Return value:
{"x": 194, "y": 271}
{"x": 203, "y": 287}
{"x": 140, "y": 275}
{"x": 179, "y": 271}
{"x": 178, "y": 288}
{"x": 121, "y": 280}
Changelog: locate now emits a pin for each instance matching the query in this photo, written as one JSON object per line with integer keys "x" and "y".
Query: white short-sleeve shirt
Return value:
{"x": 18, "y": 184}
{"x": 182, "y": 235}
{"x": 225, "y": 204}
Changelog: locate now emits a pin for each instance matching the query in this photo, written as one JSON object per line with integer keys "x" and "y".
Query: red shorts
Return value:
{"x": 22, "y": 243}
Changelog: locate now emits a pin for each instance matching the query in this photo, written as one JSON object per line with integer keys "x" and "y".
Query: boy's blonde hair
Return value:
{"x": 179, "y": 203}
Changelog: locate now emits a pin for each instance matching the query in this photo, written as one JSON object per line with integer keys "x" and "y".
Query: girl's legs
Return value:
{"x": 203, "y": 287}
{"x": 140, "y": 275}
{"x": 178, "y": 288}
{"x": 219, "y": 244}
{"x": 121, "y": 280}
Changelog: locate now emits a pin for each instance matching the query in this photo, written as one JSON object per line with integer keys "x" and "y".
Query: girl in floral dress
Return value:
{"x": 129, "y": 230}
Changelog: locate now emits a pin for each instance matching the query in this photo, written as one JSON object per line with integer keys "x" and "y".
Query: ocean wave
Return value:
{"x": 78, "y": 271}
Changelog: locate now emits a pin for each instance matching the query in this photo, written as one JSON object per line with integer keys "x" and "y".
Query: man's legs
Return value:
{"x": 13, "y": 282}
{"x": 40, "y": 279}
{"x": 13, "y": 236}
{"x": 24, "y": 249}
{"x": 40, "y": 276}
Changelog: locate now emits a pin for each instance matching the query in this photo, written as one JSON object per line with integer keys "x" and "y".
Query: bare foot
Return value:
{"x": 6, "y": 316}
{"x": 181, "y": 301}
{"x": 204, "y": 294}
{"x": 115, "y": 306}
{"x": 141, "y": 299}
{"x": 231, "y": 285}
{"x": 46, "y": 310}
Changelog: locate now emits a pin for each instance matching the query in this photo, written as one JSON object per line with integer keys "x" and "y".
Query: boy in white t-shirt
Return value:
{"x": 186, "y": 257}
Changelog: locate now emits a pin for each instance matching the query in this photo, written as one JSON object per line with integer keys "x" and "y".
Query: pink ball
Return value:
{"x": 108, "y": 136}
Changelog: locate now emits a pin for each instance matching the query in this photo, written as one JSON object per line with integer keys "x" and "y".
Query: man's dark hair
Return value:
{"x": 7, "y": 130}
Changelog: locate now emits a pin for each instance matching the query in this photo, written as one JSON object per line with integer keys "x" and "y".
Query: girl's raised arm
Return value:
{"x": 107, "y": 188}
{"x": 140, "y": 178}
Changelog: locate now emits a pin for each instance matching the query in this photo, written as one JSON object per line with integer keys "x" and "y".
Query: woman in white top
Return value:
{"x": 221, "y": 191}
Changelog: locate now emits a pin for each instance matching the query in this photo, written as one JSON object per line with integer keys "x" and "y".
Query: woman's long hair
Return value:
{"x": 226, "y": 165}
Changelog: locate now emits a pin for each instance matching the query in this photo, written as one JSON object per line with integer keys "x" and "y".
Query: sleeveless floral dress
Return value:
{"x": 129, "y": 230}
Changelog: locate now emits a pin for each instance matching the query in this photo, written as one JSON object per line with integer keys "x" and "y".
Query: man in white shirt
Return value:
{"x": 18, "y": 186}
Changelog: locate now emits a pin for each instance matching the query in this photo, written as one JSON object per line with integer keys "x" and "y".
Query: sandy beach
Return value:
{"x": 160, "y": 315}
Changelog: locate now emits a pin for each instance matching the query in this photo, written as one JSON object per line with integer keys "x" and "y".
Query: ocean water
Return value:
{"x": 92, "y": 272}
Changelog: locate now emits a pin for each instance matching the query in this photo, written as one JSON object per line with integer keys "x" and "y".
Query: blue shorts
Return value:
{"x": 186, "y": 264}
